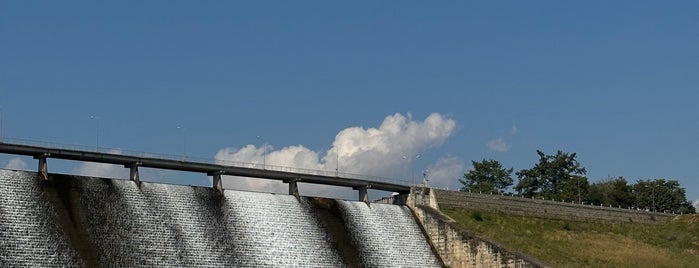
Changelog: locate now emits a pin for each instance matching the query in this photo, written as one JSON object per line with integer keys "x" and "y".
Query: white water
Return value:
{"x": 122, "y": 225}
{"x": 166, "y": 225}
{"x": 387, "y": 236}
{"x": 29, "y": 235}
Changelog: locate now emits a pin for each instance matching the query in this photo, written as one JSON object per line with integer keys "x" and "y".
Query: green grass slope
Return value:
{"x": 562, "y": 243}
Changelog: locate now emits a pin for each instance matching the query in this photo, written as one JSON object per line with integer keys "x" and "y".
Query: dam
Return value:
{"x": 78, "y": 221}
{"x": 56, "y": 220}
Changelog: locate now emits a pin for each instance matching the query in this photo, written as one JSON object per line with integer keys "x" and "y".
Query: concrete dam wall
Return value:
{"x": 92, "y": 222}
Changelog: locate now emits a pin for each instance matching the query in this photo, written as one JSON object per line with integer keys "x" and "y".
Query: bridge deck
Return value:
{"x": 192, "y": 166}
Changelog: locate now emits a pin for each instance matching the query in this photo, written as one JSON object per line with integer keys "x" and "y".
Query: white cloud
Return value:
{"x": 498, "y": 145}
{"x": 103, "y": 170}
{"x": 514, "y": 130}
{"x": 16, "y": 163}
{"x": 445, "y": 172}
{"x": 386, "y": 151}
{"x": 696, "y": 204}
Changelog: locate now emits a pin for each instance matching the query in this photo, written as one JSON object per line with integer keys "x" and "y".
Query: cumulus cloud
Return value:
{"x": 387, "y": 151}
{"x": 498, "y": 145}
{"x": 696, "y": 204}
{"x": 102, "y": 170}
{"x": 514, "y": 130}
{"x": 445, "y": 172}
{"x": 16, "y": 163}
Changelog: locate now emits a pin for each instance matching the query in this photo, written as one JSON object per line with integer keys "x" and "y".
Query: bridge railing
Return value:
{"x": 185, "y": 158}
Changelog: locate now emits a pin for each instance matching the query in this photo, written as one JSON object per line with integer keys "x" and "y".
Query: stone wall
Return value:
{"x": 545, "y": 208}
{"x": 455, "y": 245}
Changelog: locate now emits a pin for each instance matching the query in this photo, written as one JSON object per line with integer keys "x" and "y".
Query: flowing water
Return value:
{"x": 29, "y": 236}
{"x": 387, "y": 235}
{"x": 81, "y": 221}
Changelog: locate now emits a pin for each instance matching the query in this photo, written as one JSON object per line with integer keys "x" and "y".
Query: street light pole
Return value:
{"x": 425, "y": 179}
{"x": 264, "y": 154}
{"x": 0, "y": 122}
{"x": 412, "y": 168}
{"x": 184, "y": 141}
{"x": 97, "y": 128}
{"x": 579, "y": 200}
{"x": 653, "y": 197}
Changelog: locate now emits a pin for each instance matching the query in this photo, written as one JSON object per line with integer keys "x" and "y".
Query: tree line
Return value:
{"x": 562, "y": 177}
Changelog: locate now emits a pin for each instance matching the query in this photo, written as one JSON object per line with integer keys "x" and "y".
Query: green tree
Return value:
{"x": 552, "y": 176}
{"x": 487, "y": 176}
{"x": 612, "y": 191}
{"x": 662, "y": 195}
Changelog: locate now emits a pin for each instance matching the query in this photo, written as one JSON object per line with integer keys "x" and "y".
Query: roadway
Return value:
{"x": 202, "y": 167}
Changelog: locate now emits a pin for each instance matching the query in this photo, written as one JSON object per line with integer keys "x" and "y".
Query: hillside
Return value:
{"x": 563, "y": 243}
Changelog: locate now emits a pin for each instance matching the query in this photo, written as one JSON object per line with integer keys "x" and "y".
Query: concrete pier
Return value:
{"x": 293, "y": 187}
{"x": 43, "y": 168}
{"x": 363, "y": 193}
{"x": 133, "y": 174}
{"x": 217, "y": 183}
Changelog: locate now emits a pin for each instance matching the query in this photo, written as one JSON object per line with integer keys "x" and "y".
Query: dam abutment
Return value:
{"x": 455, "y": 246}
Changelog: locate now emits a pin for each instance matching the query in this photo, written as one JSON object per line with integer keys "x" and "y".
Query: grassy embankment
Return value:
{"x": 582, "y": 244}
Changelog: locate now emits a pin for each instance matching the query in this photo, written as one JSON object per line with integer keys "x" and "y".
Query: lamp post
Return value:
{"x": 579, "y": 199}
{"x": 184, "y": 141}
{"x": 264, "y": 154}
{"x": 97, "y": 129}
{"x": 652, "y": 196}
{"x": 337, "y": 162}
{"x": 412, "y": 169}
{"x": 0, "y": 122}
{"x": 425, "y": 179}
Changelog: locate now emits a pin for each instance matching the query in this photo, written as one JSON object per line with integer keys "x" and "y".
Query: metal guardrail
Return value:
{"x": 327, "y": 173}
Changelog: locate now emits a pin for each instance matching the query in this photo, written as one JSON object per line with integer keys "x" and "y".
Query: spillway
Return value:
{"x": 29, "y": 235}
{"x": 91, "y": 222}
{"x": 387, "y": 236}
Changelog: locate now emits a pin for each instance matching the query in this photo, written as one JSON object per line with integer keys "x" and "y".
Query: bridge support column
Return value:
{"x": 217, "y": 183}
{"x": 43, "y": 165}
{"x": 133, "y": 175}
{"x": 293, "y": 187}
{"x": 363, "y": 193}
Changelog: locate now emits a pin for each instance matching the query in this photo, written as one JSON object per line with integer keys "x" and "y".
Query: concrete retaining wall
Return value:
{"x": 545, "y": 208}
{"x": 455, "y": 246}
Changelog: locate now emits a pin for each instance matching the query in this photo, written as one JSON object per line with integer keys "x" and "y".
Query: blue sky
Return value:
{"x": 616, "y": 82}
